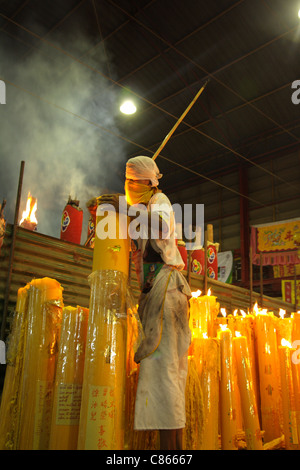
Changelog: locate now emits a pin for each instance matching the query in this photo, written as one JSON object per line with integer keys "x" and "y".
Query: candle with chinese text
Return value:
{"x": 102, "y": 414}
{"x": 269, "y": 375}
{"x": 68, "y": 379}
{"x": 101, "y": 424}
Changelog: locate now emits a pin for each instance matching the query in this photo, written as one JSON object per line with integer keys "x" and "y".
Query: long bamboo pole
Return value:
{"x": 251, "y": 277}
{"x": 178, "y": 121}
{"x": 295, "y": 286}
{"x": 205, "y": 264}
{"x": 12, "y": 250}
{"x": 261, "y": 281}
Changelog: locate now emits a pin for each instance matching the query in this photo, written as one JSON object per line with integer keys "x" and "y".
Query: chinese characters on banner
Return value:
{"x": 284, "y": 270}
{"x": 101, "y": 418}
{"x": 274, "y": 243}
{"x": 288, "y": 292}
{"x": 277, "y": 237}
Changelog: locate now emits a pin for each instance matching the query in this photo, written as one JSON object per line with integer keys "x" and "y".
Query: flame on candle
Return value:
{"x": 223, "y": 311}
{"x": 237, "y": 334}
{"x": 285, "y": 343}
{"x": 235, "y": 312}
{"x": 282, "y": 313}
{"x": 196, "y": 294}
{"x": 244, "y": 314}
{"x": 205, "y": 335}
{"x": 223, "y": 327}
{"x": 209, "y": 292}
{"x": 29, "y": 213}
{"x": 255, "y": 309}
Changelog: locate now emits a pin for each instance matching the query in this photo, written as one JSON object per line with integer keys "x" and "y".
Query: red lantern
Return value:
{"x": 198, "y": 262}
{"x": 71, "y": 223}
{"x": 183, "y": 251}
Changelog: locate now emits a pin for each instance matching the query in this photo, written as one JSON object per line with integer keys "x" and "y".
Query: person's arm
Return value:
{"x": 151, "y": 219}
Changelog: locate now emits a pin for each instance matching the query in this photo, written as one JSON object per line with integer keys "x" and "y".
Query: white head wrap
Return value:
{"x": 143, "y": 168}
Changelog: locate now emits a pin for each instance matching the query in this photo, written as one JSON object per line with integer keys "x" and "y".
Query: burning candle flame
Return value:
{"x": 196, "y": 294}
{"x": 235, "y": 312}
{"x": 282, "y": 313}
{"x": 255, "y": 309}
{"x": 244, "y": 314}
{"x": 223, "y": 327}
{"x": 285, "y": 343}
{"x": 29, "y": 213}
{"x": 223, "y": 311}
{"x": 205, "y": 335}
{"x": 209, "y": 292}
{"x": 237, "y": 334}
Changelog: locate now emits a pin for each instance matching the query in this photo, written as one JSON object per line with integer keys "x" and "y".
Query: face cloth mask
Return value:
{"x": 137, "y": 193}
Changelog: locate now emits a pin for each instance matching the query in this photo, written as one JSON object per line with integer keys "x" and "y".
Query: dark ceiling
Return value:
{"x": 160, "y": 52}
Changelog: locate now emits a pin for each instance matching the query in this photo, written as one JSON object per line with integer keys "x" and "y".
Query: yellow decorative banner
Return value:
{"x": 284, "y": 270}
{"x": 288, "y": 292}
{"x": 277, "y": 237}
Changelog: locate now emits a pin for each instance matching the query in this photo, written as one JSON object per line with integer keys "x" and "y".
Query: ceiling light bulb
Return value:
{"x": 128, "y": 107}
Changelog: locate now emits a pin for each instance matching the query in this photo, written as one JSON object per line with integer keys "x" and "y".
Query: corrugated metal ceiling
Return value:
{"x": 163, "y": 51}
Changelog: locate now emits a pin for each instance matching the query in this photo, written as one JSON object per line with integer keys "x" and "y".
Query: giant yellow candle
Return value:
{"x": 196, "y": 319}
{"x": 213, "y": 309}
{"x": 102, "y": 412}
{"x": 209, "y": 380}
{"x": 134, "y": 335}
{"x": 288, "y": 398}
{"x": 220, "y": 320}
{"x": 203, "y": 313}
{"x": 284, "y": 327}
{"x": 269, "y": 375}
{"x": 244, "y": 325}
{"x": 41, "y": 346}
{"x": 295, "y": 364}
{"x": 112, "y": 252}
{"x": 247, "y": 394}
{"x": 10, "y": 401}
{"x": 68, "y": 379}
{"x": 193, "y": 431}
{"x": 296, "y": 326}
{"x": 103, "y": 392}
{"x": 227, "y": 392}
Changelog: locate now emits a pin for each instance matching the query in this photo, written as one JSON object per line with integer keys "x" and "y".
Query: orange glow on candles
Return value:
{"x": 288, "y": 397}
{"x": 227, "y": 392}
{"x": 269, "y": 374}
{"x": 247, "y": 393}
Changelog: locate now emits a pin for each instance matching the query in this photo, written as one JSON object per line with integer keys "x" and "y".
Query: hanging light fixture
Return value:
{"x": 128, "y": 107}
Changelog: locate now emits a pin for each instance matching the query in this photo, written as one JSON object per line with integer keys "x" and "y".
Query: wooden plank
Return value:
{"x": 37, "y": 255}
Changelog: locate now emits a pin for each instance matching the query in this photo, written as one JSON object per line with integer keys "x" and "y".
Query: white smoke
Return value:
{"x": 63, "y": 155}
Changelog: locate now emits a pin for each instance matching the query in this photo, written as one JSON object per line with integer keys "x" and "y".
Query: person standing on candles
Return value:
{"x": 163, "y": 306}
